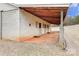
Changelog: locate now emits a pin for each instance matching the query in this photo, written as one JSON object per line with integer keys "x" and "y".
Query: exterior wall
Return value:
{"x": 17, "y": 23}
{"x": 10, "y": 22}
{"x": 54, "y": 27}
{"x": 26, "y": 19}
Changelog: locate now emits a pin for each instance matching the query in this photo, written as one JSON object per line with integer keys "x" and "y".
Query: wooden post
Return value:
{"x": 62, "y": 39}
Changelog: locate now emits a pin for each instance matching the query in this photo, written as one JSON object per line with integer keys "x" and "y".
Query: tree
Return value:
{"x": 76, "y": 20}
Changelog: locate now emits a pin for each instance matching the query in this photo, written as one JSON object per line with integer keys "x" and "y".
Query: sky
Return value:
{"x": 73, "y": 9}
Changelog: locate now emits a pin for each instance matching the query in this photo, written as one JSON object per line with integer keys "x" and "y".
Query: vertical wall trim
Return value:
{"x": 19, "y": 13}
{"x": 1, "y": 24}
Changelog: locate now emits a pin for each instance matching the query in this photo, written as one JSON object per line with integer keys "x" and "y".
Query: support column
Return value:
{"x": 62, "y": 39}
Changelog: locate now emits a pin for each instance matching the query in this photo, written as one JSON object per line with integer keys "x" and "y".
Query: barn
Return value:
{"x": 22, "y": 20}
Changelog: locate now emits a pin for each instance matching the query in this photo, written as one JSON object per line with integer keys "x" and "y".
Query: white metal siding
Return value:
{"x": 10, "y": 21}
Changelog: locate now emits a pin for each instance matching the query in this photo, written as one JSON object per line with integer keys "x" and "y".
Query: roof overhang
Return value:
{"x": 47, "y": 12}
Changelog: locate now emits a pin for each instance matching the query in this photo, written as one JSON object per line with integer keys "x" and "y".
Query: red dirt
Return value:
{"x": 45, "y": 38}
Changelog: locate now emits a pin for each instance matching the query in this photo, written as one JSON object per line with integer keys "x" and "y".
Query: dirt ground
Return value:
{"x": 12, "y": 48}
{"x": 45, "y": 45}
{"x": 35, "y": 46}
{"x": 51, "y": 38}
